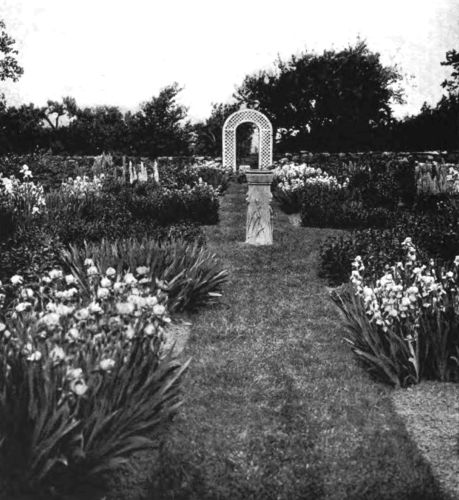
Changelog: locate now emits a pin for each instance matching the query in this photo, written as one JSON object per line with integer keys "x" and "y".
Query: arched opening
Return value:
{"x": 246, "y": 149}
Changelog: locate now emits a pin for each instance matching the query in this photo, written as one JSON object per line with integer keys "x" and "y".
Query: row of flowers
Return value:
{"x": 434, "y": 177}
{"x": 83, "y": 185}
{"x": 48, "y": 324}
{"x": 22, "y": 196}
{"x": 22, "y": 201}
{"x": 84, "y": 364}
{"x": 405, "y": 324}
{"x": 291, "y": 183}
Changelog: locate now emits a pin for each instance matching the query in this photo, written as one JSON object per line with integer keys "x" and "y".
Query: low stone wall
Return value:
{"x": 420, "y": 156}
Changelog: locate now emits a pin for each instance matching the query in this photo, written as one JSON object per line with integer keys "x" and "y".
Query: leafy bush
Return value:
{"x": 191, "y": 274}
{"x": 327, "y": 207}
{"x": 7, "y": 222}
{"x": 405, "y": 327}
{"x": 176, "y": 176}
{"x": 384, "y": 184}
{"x": 147, "y": 201}
{"x": 214, "y": 174}
{"x": 30, "y": 253}
{"x": 83, "y": 379}
{"x": 199, "y": 203}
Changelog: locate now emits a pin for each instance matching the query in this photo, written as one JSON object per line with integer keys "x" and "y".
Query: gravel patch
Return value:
{"x": 431, "y": 414}
{"x": 177, "y": 335}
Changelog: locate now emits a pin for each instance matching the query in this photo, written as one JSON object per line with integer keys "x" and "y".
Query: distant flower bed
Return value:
{"x": 82, "y": 186}
{"x": 436, "y": 178}
{"x": 292, "y": 183}
{"x": 178, "y": 175}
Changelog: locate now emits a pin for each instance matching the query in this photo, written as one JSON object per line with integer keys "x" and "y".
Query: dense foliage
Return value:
{"x": 435, "y": 127}
{"x": 338, "y": 100}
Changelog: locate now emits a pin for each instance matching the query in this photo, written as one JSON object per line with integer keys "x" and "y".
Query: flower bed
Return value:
{"x": 293, "y": 184}
{"x": 404, "y": 325}
{"x": 84, "y": 381}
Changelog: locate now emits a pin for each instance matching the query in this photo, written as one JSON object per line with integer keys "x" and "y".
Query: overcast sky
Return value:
{"x": 121, "y": 52}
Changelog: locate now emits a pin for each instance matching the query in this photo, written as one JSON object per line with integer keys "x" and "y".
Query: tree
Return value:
{"x": 452, "y": 84}
{"x": 434, "y": 127}
{"x": 96, "y": 130}
{"x": 9, "y": 67}
{"x": 336, "y": 100}
{"x": 21, "y": 128}
{"x": 208, "y": 134}
{"x": 55, "y": 110}
{"x": 158, "y": 129}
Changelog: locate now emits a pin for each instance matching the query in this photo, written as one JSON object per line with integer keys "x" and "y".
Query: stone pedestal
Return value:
{"x": 259, "y": 228}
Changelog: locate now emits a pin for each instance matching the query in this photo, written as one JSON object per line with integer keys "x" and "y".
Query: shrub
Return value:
{"x": 191, "y": 274}
{"x": 405, "y": 326}
{"x": 214, "y": 174}
{"x": 120, "y": 210}
{"x": 7, "y": 222}
{"x": 30, "y": 253}
{"x": 176, "y": 176}
{"x": 195, "y": 204}
{"x": 83, "y": 379}
{"x": 384, "y": 183}
{"x": 327, "y": 207}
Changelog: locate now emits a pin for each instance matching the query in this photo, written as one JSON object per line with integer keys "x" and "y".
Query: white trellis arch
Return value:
{"x": 265, "y": 151}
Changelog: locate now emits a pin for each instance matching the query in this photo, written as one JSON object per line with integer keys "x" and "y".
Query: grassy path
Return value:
{"x": 276, "y": 407}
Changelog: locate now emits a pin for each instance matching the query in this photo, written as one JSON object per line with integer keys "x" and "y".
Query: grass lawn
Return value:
{"x": 276, "y": 406}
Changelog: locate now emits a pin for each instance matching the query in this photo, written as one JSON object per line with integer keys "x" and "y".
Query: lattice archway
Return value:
{"x": 265, "y": 151}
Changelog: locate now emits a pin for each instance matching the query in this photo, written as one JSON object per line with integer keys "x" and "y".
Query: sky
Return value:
{"x": 122, "y": 52}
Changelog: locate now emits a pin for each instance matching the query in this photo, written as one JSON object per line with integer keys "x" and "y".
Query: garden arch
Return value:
{"x": 265, "y": 151}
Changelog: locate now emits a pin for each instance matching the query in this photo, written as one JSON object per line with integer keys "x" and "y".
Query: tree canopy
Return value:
{"x": 9, "y": 66}
{"x": 208, "y": 133}
{"x": 159, "y": 127}
{"x": 435, "y": 127}
{"x": 335, "y": 100}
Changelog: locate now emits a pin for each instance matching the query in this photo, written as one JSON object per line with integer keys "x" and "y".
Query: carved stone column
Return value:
{"x": 259, "y": 228}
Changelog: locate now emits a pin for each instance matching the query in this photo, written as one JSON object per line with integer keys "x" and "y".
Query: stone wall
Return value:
{"x": 420, "y": 156}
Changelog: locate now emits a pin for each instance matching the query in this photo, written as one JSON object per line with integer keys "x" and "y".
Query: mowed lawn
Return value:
{"x": 275, "y": 405}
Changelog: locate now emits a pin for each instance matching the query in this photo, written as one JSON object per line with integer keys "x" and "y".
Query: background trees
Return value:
{"x": 207, "y": 139}
{"x": 435, "y": 127}
{"x": 332, "y": 101}
{"x": 159, "y": 128}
